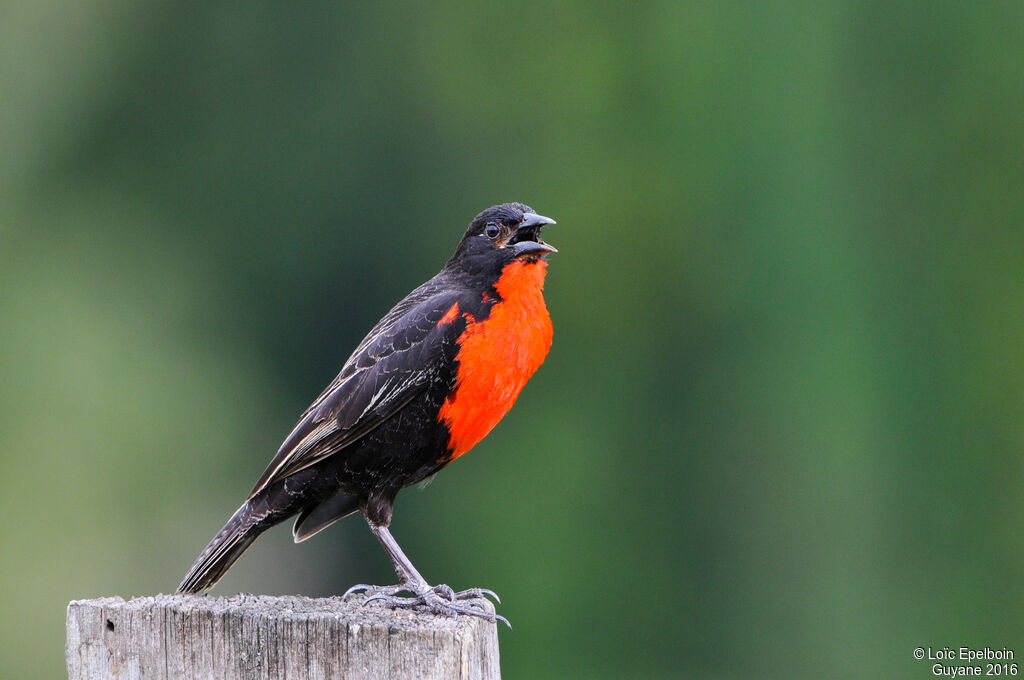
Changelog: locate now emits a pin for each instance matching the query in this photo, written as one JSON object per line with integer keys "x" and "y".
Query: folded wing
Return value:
{"x": 396, "y": 362}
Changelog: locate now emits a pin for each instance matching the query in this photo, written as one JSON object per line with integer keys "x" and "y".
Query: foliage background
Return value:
{"x": 778, "y": 434}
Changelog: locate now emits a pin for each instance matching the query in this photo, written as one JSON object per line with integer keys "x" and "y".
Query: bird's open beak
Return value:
{"x": 526, "y": 240}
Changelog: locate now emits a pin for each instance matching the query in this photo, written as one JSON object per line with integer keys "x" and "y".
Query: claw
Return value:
{"x": 440, "y": 599}
{"x": 355, "y": 589}
{"x": 371, "y": 598}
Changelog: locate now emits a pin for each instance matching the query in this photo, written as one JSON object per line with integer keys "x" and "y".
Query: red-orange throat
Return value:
{"x": 498, "y": 355}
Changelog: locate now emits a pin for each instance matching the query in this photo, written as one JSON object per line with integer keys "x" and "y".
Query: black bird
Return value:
{"x": 425, "y": 385}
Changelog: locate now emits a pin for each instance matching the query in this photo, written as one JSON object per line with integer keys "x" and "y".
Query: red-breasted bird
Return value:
{"x": 425, "y": 385}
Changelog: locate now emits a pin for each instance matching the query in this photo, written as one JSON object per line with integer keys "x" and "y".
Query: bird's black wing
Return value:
{"x": 399, "y": 358}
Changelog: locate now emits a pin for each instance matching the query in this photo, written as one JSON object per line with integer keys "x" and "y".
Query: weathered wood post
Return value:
{"x": 272, "y": 638}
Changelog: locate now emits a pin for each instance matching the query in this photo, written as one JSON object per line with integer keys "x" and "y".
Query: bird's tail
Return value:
{"x": 227, "y": 546}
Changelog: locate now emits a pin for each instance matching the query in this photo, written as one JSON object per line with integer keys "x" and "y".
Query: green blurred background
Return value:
{"x": 778, "y": 434}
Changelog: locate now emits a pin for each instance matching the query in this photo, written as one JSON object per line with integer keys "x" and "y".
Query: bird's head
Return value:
{"x": 500, "y": 235}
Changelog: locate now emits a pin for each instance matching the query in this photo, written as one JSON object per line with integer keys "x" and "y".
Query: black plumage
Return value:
{"x": 375, "y": 429}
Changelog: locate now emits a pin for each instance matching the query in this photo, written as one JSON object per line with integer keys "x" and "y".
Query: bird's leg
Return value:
{"x": 441, "y": 599}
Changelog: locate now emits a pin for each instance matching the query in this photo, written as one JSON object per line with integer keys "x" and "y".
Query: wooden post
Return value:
{"x": 271, "y": 638}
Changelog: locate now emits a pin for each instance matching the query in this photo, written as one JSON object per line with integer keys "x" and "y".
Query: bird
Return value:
{"x": 426, "y": 384}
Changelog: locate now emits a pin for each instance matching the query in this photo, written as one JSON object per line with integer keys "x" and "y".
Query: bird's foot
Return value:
{"x": 440, "y": 599}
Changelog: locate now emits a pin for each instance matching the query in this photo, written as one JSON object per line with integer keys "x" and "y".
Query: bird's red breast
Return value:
{"x": 497, "y": 355}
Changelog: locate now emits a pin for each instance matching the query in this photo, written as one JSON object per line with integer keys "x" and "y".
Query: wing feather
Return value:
{"x": 396, "y": 362}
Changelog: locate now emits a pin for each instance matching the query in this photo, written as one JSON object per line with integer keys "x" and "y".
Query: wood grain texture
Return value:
{"x": 272, "y": 638}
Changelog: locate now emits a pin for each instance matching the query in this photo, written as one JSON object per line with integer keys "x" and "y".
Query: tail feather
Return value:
{"x": 227, "y": 546}
{"x": 276, "y": 503}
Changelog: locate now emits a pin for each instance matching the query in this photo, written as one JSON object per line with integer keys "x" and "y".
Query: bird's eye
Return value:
{"x": 491, "y": 231}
